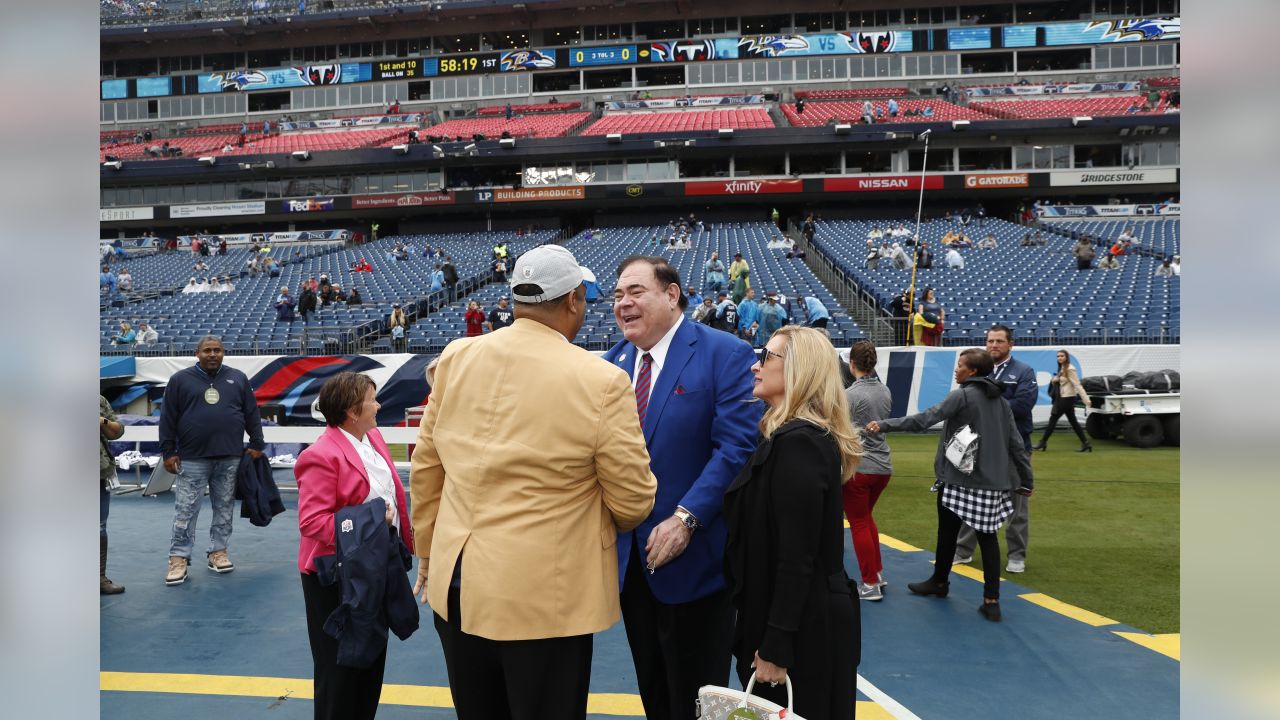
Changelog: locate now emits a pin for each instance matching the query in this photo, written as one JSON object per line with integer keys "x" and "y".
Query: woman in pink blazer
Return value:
{"x": 347, "y": 466}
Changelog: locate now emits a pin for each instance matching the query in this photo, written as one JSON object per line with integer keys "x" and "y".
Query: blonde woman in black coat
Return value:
{"x": 797, "y": 615}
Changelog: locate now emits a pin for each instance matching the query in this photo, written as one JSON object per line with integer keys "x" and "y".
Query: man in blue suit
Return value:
{"x": 1021, "y": 390}
{"x": 693, "y": 387}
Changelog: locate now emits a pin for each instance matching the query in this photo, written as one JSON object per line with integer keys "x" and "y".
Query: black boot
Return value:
{"x": 930, "y": 587}
{"x": 990, "y": 611}
{"x": 105, "y": 586}
{"x": 1086, "y": 447}
{"x": 1042, "y": 445}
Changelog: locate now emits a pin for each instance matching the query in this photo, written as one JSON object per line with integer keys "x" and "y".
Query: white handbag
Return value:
{"x": 722, "y": 703}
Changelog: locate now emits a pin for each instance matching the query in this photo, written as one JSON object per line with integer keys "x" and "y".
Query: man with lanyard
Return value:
{"x": 1021, "y": 391}
{"x": 207, "y": 410}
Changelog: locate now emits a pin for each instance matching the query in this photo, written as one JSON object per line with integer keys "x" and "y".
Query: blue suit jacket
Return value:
{"x": 701, "y": 428}
{"x": 1021, "y": 390}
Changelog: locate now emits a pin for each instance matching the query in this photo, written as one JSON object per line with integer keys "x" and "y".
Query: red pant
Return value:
{"x": 860, "y": 495}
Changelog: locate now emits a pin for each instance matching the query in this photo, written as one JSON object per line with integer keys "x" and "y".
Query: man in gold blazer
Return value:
{"x": 518, "y": 497}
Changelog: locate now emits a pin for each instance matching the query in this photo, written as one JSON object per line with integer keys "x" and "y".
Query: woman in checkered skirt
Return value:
{"x": 979, "y": 498}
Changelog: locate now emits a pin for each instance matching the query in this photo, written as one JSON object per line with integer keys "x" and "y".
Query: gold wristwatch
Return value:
{"x": 686, "y": 517}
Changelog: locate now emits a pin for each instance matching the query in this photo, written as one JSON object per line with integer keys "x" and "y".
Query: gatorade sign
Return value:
{"x": 996, "y": 180}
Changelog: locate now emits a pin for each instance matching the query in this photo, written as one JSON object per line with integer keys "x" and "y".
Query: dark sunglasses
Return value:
{"x": 765, "y": 353}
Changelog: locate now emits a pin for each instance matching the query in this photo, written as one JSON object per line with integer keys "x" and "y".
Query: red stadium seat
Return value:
{"x": 681, "y": 120}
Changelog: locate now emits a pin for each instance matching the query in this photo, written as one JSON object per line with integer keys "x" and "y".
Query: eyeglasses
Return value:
{"x": 765, "y": 353}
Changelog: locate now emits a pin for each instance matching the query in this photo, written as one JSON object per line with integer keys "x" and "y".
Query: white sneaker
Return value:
{"x": 1016, "y": 566}
{"x": 962, "y": 559}
{"x": 869, "y": 592}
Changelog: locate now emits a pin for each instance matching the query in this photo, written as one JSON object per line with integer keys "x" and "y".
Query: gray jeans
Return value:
{"x": 219, "y": 475}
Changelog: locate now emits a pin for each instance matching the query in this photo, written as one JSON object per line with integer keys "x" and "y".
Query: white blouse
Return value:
{"x": 382, "y": 481}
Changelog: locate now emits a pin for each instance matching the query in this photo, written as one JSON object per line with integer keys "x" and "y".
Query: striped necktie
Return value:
{"x": 642, "y": 386}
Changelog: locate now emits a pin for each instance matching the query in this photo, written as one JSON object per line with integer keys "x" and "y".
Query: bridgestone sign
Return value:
{"x": 1117, "y": 177}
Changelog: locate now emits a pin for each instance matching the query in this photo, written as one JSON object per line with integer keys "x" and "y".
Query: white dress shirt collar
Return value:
{"x": 658, "y": 352}
{"x": 381, "y": 478}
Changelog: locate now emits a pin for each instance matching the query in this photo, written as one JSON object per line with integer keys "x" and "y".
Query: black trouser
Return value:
{"x": 820, "y": 323}
{"x": 676, "y": 648}
{"x": 1083, "y": 264}
{"x": 1064, "y": 406}
{"x": 517, "y": 679}
{"x": 341, "y": 693}
{"x": 949, "y": 525}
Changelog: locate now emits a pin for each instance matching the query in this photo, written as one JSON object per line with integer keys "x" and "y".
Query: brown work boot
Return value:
{"x": 105, "y": 586}
{"x": 219, "y": 562}
{"x": 177, "y": 570}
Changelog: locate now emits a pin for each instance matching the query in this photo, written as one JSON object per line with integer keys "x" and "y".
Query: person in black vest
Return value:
{"x": 450, "y": 278}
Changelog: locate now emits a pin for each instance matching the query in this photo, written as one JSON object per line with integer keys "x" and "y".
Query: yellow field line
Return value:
{"x": 1071, "y": 611}
{"x": 1169, "y": 645}
{"x": 411, "y": 695}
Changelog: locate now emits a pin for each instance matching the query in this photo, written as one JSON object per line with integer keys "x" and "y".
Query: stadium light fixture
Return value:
{"x": 113, "y": 164}
{"x": 725, "y": 133}
{"x": 614, "y": 137}
{"x": 959, "y": 124}
{"x": 437, "y": 152}
{"x": 1081, "y": 120}
{"x": 208, "y": 160}
{"x": 301, "y": 154}
{"x": 843, "y": 128}
{"x": 508, "y": 143}
{"x": 400, "y": 149}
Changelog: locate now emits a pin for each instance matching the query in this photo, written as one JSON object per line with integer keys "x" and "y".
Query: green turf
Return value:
{"x": 1104, "y": 525}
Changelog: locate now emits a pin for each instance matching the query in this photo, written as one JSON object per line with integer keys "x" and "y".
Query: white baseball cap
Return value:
{"x": 551, "y": 268}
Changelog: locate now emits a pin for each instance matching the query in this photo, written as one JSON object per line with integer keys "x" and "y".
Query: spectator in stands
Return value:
{"x": 983, "y": 498}
{"x": 817, "y": 312}
{"x": 962, "y": 241}
{"x": 474, "y": 318}
{"x": 363, "y": 265}
{"x": 450, "y": 277}
{"x": 899, "y": 257}
{"x": 929, "y": 319}
{"x": 397, "y": 318}
{"x": 726, "y": 318}
{"x": 222, "y": 247}
{"x": 1083, "y": 251}
{"x": 126, "y": 336}
{"x": 868, "y": 115}
{"x": 713, "y": 274}
{"x": 124, "y": 281}
{"x": 868, "y": 400}
{"x": 307, "y": 302}
{"x": 893, "y": 108}
{"x": 873, "y": 255}
{"x": 739, "y": 276}
{"x": 924, "y": 257}
{"x": 437, "y": 279}
{"x": 900, "y": 316}
{"x": 1026, "y": 240}
{"x": 1176, "y": 265}
{"x": 954, "y": 259}
{"x": 795, "y": 252}
{"x": 354, "y": 297}
{"x": 927, "y": 111}
{"x": 1133, "y": 108}
{"x": 502, "y": 315}
{"x": 694, "y": 299}
{"x": 190, "y": 287}
{"x": 748, "y": 316}
{"x": 200, "y": 266}
{"x": 772, "y": 317}
{"x": 988, "y": 242}
{"x": 107, "y": 281}
{"x": 1165, "y": 270}
{"x": 1108, "y": 262}
{"x": 147, "y": 335}
{"x": 266, "y": 127}
{"x": 284, "y": 306}
{"x": 706, "y": 312}
{"x": 1118, "y": 248}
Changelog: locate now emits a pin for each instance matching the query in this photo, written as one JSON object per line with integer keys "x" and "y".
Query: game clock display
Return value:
{"x": 469, "y": 64}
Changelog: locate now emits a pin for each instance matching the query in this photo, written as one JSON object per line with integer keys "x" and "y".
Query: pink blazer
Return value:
{"x": 330, "y": 477}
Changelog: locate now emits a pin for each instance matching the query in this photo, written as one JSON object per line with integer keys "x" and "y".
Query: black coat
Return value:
{"x": 784, "y": 564}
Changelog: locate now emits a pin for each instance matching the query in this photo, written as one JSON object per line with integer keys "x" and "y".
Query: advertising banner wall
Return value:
{"x": 1112, "y": 177}
{"x": 996, "y": 180}
{"x": 542, "y": 194}
{"x": 126, "y": 213}
{"x": 312, "y": 204}
{"x": 1063, "y": 211}
{"x": 743, "y": 187}
{"x": 385, "y": 200}
{"x": 250, "y": 207}
{"x": 891, "y": 182}
{"x": 921, "y": 377}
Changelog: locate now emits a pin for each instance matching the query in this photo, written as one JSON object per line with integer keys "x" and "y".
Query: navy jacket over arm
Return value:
{"x": 257, "y": 490}
{"x": 370, "y": 568}
{"x": 1021, "y": 390}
